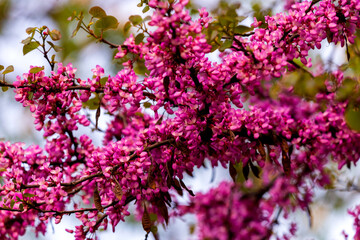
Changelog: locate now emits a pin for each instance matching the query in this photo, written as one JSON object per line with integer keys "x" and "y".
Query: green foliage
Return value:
{"x": 142, "y": 2}
{"x": 238, "y": 30}
{"x": 127, "y": 27}
{"x": 8, "y": 69}
{"x": 147, "y": 105}
{"x": 62, "y": 15}
{"x": 55, "y": 47}
{"x": 145, "y": 9}
{"x": 352, "y": 117}
{"x": 135, "y": 19}
{"x": 30, "y": 47}
{"x": 55, "y": 35}
{"x": 103, "y": 81}
{"x": 28, "y": 195}
{"x": 106, "y": 23}
{"x": 139, "y": 38}
{"x": 221, "y": 32}
{"x": 93, "y": 103}
{"x": 260, "y": 12}
{"x": 97, "y": 12}
{"x": 348, "y": 90}
{"x": 5, "y": 6}
{"x": 36, "y": 69}
{"x": 79, "y": 17}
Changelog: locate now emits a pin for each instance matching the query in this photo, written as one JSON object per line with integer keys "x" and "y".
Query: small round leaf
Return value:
{"x": 108, "y": 22}
{"x": 36, "y": 69}
{"x": 135, "y": 19}
{"x": 97, "y": 12}
{"x": 352, "y": 117}
{"x": 30, "y": 30}
{"x": 127, "y": 26}
{"x": 30, "y": 47}
{"x": 9, "y": 69}
{"x": 55, "y": 35}
{"x": 139, "y": 38}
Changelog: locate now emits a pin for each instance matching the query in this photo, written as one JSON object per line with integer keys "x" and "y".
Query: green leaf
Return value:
{"x": 9, "y": 69}
{"x": 146, "y": 9}
{"x": 139, "y": 114}
{"x": 346, "y": 90}
{"x": 72, "y": 17}
{"x": 1, "y": 67}
{"x": 55, "y": 47}
{"x": 30, "y": 30}
{"x": 352, "y": 118}
{"x": 139, "y": 38}
{"x": 4, "y": 89}
{"x": 147, "y": 105}
{"x": 241, "y": 18}
{"x": 153, "y": 217}
{"x": 30, "y": 47}
{"x": 242, "y": 29}
{"x": 78, "y": 26}
{"x": 28, "y": 195}
{"x": 97, "y": 12}
{"x": 103, "y": 81}
{"x": 135, "y": 19}
{"x": 226, "y": 44}
{"x": 36, "y": 69}
{"x": 108, "y": 22}
{"x": 92, "y": 103}
{"x": 214, "y": 47}
{"x": 127, "y": 26}
{"x": 26, "y": 40}
{"x": 30, "y": 95}
{"x": 12, "y": 203}
{"x": 55, "y": 35}
{"x": 154, "y": 229}
{"x": 147, "y": 18}
{"x": 21, "y": 207}
{"x": 225, "y": 21}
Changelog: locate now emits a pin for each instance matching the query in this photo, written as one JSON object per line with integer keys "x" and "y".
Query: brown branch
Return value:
{"x": 70, "y": 184}
{"x": 159, "y": 144}
{"x": 70, "y": 211}
{"x": 81, "y": 180}
{"x": 101, "y": 39}
{"x": 77, "y": 87}
{"x": 52, "y": 64}
{"x": 301, "y": 68}
{"x": 10, "y": 209}
{"x": 98, "y": 222}
{"x": 311, "y": 5}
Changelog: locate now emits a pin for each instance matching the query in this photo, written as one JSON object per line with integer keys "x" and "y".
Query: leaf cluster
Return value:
{"x": 221, "y": 32}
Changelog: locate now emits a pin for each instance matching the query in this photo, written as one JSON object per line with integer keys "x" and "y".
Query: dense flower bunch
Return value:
{"x": 219, "y": 209}
{"x": 198, "y": 110}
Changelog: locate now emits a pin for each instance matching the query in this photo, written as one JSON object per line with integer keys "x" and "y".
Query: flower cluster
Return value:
{"x": 195, "y": 110}
{"x": 219, "y": 209}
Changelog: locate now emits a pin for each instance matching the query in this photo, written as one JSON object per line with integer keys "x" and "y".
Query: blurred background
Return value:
{"x": 328, "y": 213}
